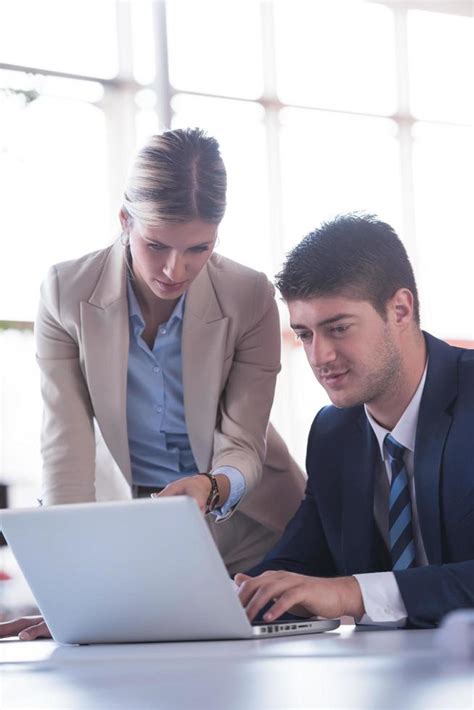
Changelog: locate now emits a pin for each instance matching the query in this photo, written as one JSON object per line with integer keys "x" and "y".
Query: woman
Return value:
{"x": 159, "y": 359}
{"x": 158, "y": 364}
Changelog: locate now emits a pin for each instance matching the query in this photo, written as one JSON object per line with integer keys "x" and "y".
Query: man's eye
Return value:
{"x": 339, "y": 329}
{"x": 200, "y": 248}
{"x": 304, "y": 336}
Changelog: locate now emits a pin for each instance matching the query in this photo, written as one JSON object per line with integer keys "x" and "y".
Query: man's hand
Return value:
{"x": 198, "y": 487}
{"x": 27, "y": 628}
{"x": 299, "y": 594}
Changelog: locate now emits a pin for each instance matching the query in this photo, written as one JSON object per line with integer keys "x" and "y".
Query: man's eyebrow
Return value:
{"x": 327, "y": 321}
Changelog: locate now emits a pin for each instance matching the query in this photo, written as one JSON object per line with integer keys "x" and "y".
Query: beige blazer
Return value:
{"x": 231, "y": 357}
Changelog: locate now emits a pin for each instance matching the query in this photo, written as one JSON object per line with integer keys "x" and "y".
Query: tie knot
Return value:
{"x": 395, "y": 450}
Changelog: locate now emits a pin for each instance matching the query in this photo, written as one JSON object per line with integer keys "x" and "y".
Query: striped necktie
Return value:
{"x": 402, "y": 546}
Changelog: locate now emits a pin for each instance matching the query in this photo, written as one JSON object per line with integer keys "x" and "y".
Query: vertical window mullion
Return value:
{"x": 272, "y": 132}
{"x": 119, "y": 109}
{"x": 405, "y": 122}
{"x": 286, "y": 401}
{"x": 162, "y": 87}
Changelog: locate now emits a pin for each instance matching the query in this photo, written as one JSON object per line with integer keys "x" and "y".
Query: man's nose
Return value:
{"x": 321, "y": 352}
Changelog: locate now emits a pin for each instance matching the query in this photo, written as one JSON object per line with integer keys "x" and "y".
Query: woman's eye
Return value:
{"x": 156, "y": 247}
{"x": 199, "y": 249}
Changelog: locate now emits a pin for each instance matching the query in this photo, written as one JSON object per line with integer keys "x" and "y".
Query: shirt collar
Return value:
{"x": 405, "y": 429}
{"x": 135, "y": 312}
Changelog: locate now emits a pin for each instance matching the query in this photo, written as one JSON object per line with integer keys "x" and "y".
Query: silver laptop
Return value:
{"x": 143, "y": 570}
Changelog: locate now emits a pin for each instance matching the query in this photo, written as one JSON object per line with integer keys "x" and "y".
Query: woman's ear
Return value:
{"x": 124, "y": 219}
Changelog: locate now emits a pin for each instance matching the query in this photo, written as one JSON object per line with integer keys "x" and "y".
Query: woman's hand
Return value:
{"x": 26, "y": 628}
{"x": 198, "y": 487}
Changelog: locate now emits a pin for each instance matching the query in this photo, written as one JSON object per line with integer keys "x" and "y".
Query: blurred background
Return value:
{"x": 319, "y": 106}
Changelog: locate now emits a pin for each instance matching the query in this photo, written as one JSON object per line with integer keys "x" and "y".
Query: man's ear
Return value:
{"x": 401, "y": 306}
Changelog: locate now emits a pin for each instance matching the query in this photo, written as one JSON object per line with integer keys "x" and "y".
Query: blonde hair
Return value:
{"x": 177, "y": 176}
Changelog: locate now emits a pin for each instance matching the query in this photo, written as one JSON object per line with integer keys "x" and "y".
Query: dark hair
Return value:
{"x": 353, "y": 254}
{"x": 177, "y": 176}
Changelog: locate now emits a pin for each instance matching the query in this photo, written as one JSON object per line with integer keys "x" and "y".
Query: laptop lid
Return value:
{"x": 134, "y": 571}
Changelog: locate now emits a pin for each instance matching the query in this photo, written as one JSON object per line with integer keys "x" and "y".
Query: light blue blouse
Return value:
{"x": 159, "y": 446}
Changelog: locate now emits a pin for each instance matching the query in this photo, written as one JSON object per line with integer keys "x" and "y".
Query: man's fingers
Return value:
{"x": 268, "y": 589}
{"x": 249, "y": 585}
{"x": 285, "y": 589}
{"x": 285, "y": 602}
{"x": 263, "y": 596}
{"x": 33, "y": 632}
{"x": 240, "y": 578}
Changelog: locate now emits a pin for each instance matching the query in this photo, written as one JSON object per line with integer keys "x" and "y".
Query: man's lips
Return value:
{"x": 332, "y": 378}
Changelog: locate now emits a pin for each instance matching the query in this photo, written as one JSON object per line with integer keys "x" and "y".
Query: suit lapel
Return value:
{"x": 358, "y": 526}
{"x": 105, "y": 337}
{"x": 434, "y": 421}
{"x": 203, "y": 348}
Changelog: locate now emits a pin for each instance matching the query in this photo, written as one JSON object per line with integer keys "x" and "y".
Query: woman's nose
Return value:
{"x": 175, "y": 268}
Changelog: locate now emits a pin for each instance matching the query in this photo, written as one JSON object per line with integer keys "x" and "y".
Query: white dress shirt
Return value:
{"x": 382, "y": 599}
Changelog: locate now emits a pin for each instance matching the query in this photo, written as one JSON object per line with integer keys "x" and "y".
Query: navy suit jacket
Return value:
{"x": 334, "y": 531}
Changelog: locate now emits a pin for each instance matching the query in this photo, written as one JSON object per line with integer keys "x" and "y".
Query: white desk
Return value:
{"x": 340, "y": 669}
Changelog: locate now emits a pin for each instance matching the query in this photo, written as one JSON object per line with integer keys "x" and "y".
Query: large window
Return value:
{"x": 320, "y": 106}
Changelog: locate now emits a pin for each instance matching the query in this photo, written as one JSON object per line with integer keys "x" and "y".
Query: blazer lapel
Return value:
{"x": 359, "y": 540}
{"x": 434, "y": 421}
{"x": 105, "y": 337}
{"x": 203, "y": 348}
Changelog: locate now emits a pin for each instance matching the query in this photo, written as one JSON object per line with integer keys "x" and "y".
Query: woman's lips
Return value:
{"x": 171, "y": 286}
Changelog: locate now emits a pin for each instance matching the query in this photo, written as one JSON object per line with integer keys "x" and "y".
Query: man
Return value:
{"x": 385, "y": 532}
